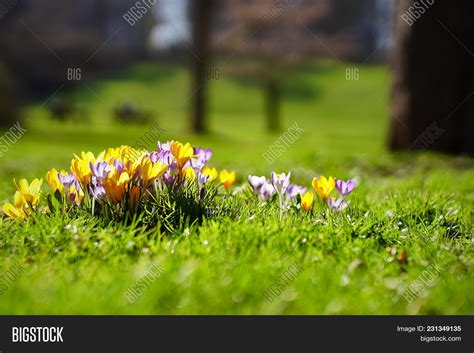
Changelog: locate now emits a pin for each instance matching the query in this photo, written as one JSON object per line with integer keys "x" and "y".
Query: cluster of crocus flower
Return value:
{"x": 324, "y": 186}
{"x": 264, "y": 188}
{"x": 120, "y": 178}
{"x": 279, "y": 184}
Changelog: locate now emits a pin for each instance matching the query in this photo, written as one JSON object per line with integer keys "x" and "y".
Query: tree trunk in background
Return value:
{"x": 200, "y": 18}
{"x": 272, "y": 102}
{"x": 433, "y": 78}
{"x": 9, "y": 111}
{"x": 8, "y": 104}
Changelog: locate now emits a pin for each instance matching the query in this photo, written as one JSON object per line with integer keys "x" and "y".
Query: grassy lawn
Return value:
{"x": 421, "y": 208}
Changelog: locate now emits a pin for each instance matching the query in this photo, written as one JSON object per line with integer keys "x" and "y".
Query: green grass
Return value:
{"x": 225, "y": 265}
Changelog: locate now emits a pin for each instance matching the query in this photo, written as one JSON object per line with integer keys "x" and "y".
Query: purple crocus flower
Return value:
{"x": 71, "y": 197}
{"x": 68, "y": 180}
{"x": 164, "y": 146}
{"x": 266, "y": 191}
{"x": 201, "y": 158}
{"x": 345, "y": 188}
{"x": 118, "y": 166}
{"x": 202, "y": 179}
{"x": 168, "y": 179}
{"x": 280, "y": 182}
{"x": 293, "y": 191}
{"x": 161, "y": 156}
{"x": 338, "y": 205}
{"x": 100, "y": 170}
{"x": 173, "y": 169}
{"x": 98, "y": 192}
{"x": 256, "y": 183}
{"x": 71, "y": 187}
{"x": 261, "y": 187}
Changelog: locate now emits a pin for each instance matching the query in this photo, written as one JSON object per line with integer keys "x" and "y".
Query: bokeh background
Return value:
{"x": 363, "y": 79}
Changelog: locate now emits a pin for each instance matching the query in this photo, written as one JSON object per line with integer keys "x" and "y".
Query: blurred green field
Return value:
{"x": 423, "y": 206}
{"x": 343, "y": 120}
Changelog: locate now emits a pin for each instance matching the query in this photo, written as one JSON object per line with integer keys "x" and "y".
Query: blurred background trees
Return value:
{"x": 280, "y": 34}
{"x": 42, "y": 39}
{"x": 255, "y": 40}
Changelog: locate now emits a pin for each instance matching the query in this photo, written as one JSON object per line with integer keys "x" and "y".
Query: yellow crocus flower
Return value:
{"x": 190, "y": 174}
{"x": 80, "y": 166}
{"x": 182, "y": 153}
{"x": 129, "y": 154}
{"x": 211, "y": 173}
{"x": 134, "y": 163}
{"x": 307, "y": 201}
{"x": 30, "y": 192}
{"x": 324, "y": 186}
{"x": 150, "y": 171}
{"x": 115, "y": 188}
{"x": 17, "y": 210}
{"x": 112, "y": 153}
{"x": 13, "y": 212}
{"x": 227, "y": 178}
{"x": 53, "y": 180}
{"x": 19, "y": 200}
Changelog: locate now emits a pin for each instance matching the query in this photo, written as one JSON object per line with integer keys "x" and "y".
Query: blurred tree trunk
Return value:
{"x": 9, "y": 111}
{"x": 101, "y": 17}
{"x": 201, "y": 31}
{"x": 433, "y": 78}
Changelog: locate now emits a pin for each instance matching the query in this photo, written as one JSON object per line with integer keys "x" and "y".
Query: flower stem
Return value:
{"x": 281, "y": 207}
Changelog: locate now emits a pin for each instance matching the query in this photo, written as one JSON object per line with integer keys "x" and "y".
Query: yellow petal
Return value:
{"x": 332, "y": 182}
{"x": 35, "y": 186}
{"x": 190, "y": 174}
{"x": 211, "y": 173}
{"x": 13, "y": 212}
{"x": 323, "y": 181}
{"x": 315, "y": 183}
{"x": 23, "y": 185}
{"x": 124, "y": 178}
{"x": 307, "y": 201}
{"x": 223, "y": 175}
{"x": 19, "y": 200}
